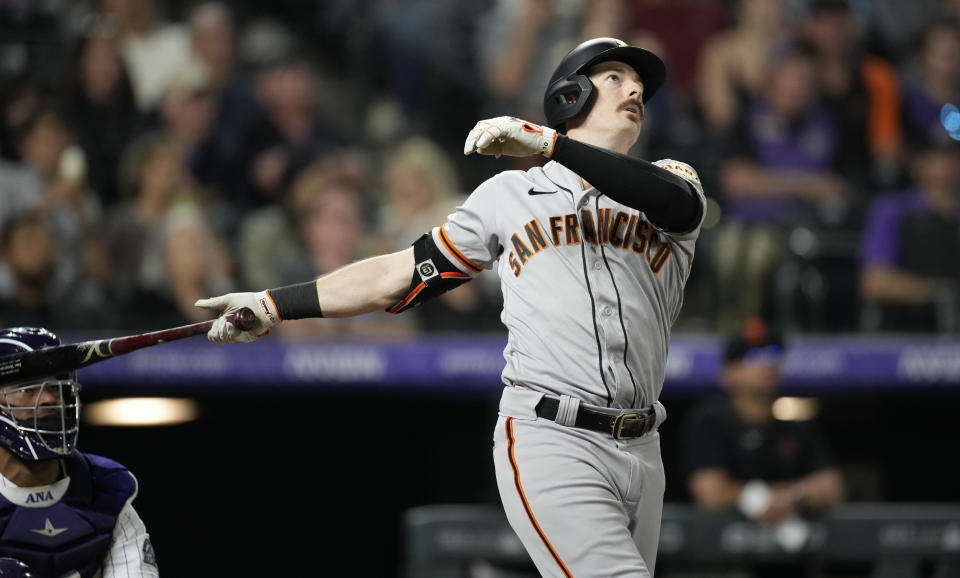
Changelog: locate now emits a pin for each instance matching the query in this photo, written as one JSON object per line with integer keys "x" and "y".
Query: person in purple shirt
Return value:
{"x": 909, "y": 272}
{"x": 781, "y": 165}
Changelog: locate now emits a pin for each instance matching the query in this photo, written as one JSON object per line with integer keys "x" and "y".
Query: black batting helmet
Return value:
{"x": 569, "y": 89}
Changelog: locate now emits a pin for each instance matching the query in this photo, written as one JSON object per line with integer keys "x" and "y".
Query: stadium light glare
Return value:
{"x": 795, "y": 408}
{"x": 140, "y": 411}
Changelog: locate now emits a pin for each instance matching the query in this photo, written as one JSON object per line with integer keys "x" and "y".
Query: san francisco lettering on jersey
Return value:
{"x": 621, "y": 230}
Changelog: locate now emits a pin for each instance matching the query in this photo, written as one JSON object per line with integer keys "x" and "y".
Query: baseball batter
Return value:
{"x": 593, "y": 250}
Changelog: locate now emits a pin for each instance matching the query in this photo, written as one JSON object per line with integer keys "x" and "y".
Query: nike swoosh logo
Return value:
{"x": 535, "y": 192}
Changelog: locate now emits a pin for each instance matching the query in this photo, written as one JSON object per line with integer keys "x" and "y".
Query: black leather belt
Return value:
{"x": 626, "y": 425}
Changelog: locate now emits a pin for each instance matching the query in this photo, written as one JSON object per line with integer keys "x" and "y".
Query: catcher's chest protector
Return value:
{"x": 75, "y": 533}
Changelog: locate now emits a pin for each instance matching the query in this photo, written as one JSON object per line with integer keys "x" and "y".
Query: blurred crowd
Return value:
{"x": 152, "y": 153}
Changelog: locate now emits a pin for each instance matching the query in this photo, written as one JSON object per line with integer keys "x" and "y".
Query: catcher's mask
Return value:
{"x": 569, "y": 88}
{"x": 40, "y": 418}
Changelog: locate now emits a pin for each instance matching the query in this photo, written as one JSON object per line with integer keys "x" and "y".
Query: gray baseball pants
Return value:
{"x": 582, "y": 503}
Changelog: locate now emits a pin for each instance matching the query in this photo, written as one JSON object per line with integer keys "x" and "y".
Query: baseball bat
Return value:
{"x": 27, "y": 365}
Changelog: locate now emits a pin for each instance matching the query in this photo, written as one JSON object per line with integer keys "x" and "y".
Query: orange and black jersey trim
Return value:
{"x": 456, "y": 252}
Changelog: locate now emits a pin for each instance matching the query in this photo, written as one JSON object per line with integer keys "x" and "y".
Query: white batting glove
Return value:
{"x": 506, "y": 135}
{"x": 225, "y": 332}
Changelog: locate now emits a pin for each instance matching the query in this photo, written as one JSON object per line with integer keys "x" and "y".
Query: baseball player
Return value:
{"x": 63, "y": 514}
{"x": 593, "y": 250}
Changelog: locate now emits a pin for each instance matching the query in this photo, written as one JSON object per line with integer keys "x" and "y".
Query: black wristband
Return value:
{"x": 297, "y": 301}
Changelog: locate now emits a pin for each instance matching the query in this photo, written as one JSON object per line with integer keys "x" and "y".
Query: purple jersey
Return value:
{"x": 903, "y": 232}
{"x": 880, "y": 244}
{"x": 921, "y": 115}
{"x": 806, "y": 144}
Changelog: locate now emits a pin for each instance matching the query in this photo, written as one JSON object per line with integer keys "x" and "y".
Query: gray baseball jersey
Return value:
{"x": 590, "y": 287}
{"x": 590, "y": 291}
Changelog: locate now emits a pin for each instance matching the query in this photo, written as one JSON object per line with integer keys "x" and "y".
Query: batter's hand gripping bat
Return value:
{"x": 27, "y": 365}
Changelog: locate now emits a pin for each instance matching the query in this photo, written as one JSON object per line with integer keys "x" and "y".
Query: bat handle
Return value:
{"x": 243, "y": 319}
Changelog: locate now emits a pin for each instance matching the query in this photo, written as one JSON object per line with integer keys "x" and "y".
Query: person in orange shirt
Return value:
{"x": 860, "y": 89}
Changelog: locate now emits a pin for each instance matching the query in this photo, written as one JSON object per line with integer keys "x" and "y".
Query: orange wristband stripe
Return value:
{"x": 274, "y": 303}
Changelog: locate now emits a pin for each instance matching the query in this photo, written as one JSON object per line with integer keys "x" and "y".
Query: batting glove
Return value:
{"x": 510, "y": 136}
{"x": 223, "y": 331}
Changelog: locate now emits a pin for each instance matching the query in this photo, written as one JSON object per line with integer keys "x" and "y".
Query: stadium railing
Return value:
{"x": 442, "y": 540}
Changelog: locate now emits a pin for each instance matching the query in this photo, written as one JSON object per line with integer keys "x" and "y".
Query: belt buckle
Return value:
{"x": 625, "y": 419}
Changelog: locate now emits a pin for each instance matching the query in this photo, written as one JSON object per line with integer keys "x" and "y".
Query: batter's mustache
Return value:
{"x": 638, "y": 104}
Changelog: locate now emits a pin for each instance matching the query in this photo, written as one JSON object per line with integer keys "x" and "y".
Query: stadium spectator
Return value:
{"x": 739, "y": 455}
{"x": 163, "y": 249}
{"x": 100, "y": 106}
{"x": 29, "y": 251}
{"x": 212, "y": 35}
{"x": 19, "y": 97}
{"x": 187, "y": 114}
{"x": 781, "y": 166}
{"x": 732, "y": 66}
{"x": 682, "y": 27}
{"x": 906, "y": 282}
{"x": 894, "y": 25}
{"x": 420, "y": 187}
{"x": 51, "y": 179}
{"x": 287, "y": 135}
{"x": 515, "y": 41}
{"x": 153, "y": 49}
{"x": 860, "y": 90}
{"x": 28, "y": 248}
{"x": 933, "y": 80}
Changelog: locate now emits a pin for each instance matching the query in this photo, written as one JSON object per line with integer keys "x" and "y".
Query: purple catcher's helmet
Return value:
{"x": 39, "y": 418}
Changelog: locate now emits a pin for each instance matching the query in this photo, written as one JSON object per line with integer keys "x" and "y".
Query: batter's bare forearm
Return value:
{"x": 369, "y": 285}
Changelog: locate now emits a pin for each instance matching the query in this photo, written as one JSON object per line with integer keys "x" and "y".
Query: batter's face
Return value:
{"x": 618, "y": 100}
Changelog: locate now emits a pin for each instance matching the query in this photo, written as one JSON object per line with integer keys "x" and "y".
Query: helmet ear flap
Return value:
{"x": 567, "y": 98}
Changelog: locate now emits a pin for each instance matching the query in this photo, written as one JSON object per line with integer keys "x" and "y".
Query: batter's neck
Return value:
{"x": 616, "y": 141}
